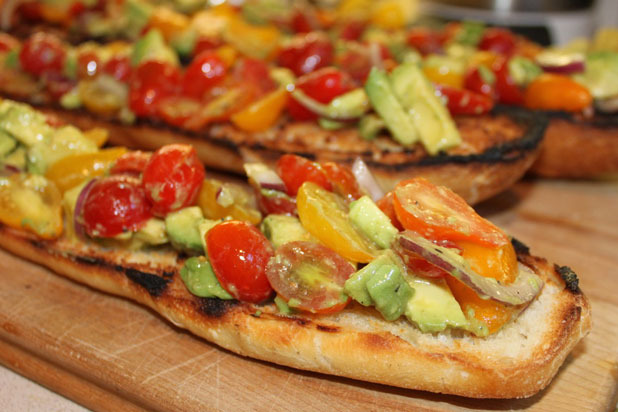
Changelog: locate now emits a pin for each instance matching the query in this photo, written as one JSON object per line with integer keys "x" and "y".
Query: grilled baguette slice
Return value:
{"x": 578, "y": 148}
{"x": 518, "y": 361}
{"x": 497, "y": 148}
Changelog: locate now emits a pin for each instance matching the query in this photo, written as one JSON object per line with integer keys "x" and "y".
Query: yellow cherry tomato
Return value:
{"x": 325, "y": 216}
{"x": 228, "y": 54}
{"x": 70, "y": 171}
{"x": 251, "y": 40}
{"x": 393, "y": 14}
{"x": 556, "y": 92}
{"x": 219, "y": 200}
{"x": 168, "y": 22}
{"x": 32, "y": 203}
{"x": 443, "y": 75}
{"x": 498, "y": 263}
{"x": 98, "y": 135}
{"x": 262, "y": 114}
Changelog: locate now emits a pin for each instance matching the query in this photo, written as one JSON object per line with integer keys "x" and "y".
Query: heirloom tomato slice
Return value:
{"x": 437, "y": 213}
{"x": 310, "y": 276}
{"x": 239, "y": 253}
{"x": 325, "y": 216}
{"x": 172, "y": 178}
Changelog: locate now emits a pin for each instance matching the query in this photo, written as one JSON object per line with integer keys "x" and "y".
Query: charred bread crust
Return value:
{"x": 577, "y": 147}
{"x": 518, "y": 361}
{"x": 497, "y": 150}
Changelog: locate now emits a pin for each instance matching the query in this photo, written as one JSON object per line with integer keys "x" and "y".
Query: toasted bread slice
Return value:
{"x": 497, "y": 148}
{"x": 575, "y": 147}
{"x": 518, "y": 361}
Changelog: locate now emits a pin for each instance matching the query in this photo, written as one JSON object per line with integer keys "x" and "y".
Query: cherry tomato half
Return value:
{"x": 8, "y": 42}
{"x": 42, "y": 53}
{"x": 88, "y": 64}
{"x": 507, "y": 91}
{"x": 426, "y": 41}
{"x": 119, "y": 67}
{"x": 295, "y": 170}
{"x": 437, "y": 213}
{"x": 310, "y": 276}
{"x": 133, "y": 162}
{"x": 239, "y": 253}
{"x": 307, "y": 53}
{"x": 323, "y": 85}
{"x": 275, "y": 202}
{"x": 114, "y": 205}
{"x": 342, "y": 180}
{"x": 461, "y": 101}
{"x": 481, "y": 80}
{"x": 172, "y": 178}
{"x": 498, "y": 40}
{"x": 556, "y": 92}
{"x": 386, "y": 205}
{"x": 205, "y": 71}
{"x": 151, "y": 83}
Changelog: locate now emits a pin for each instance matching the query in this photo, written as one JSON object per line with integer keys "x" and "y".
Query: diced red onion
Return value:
{"x": 365, "y": 179}
{"x": 8, "y": 170}
{"x": 569, "y": 68}
{"x": 264, "y": 177}
{"x": 559, "y": 62}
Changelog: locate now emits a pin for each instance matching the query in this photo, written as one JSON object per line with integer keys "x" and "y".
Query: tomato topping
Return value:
{"x": 151, "y": 82}
{"x": 205, "y": 44}
{"x": 239, "y": 253}
{"x": 480, "y": 80}
{"x": 342, "y": 180}
{"x": 460, "y": 101}
{"x": 498, "y": 40}
{"x": 325, "y": 216}
{"x": 307, "y": 53}
{"x": 7, "y": 42}
{"x": 300, "y": 23}
{"x": 310, "y": 277}
{"x": 323, "y": 85}
{"x": 263, "y": 113}
{"x": 172, "y": 178}
{"x": 437, "y": 213}
{"x": 119, "y": 67}
{"x": 352, "y": 30}
{"x": 255, "y": 72}
{"x": 507, "y": 91}
{"x": 42, "y": 53}
{"x": 205, "y": 71}
{"x": 557, "y": 92}
{"x": 276, "y": 202}
{"x": 114, "y": 205}
{"x": 221, "y": 200}
{"x": 133, "y": 162}
{"x": 386, "y": 205}
{"x": 88, "y": 64}
{"x": 57, "y": 84}
{"x": 426, "y": 41}
{"x": 295, "y": 170}
{"x": 176, "y": 110}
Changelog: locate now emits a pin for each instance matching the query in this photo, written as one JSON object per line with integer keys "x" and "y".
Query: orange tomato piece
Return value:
{"x": 443, "y": 75}
{"x": 70, "y": 171}
{"x": 263, "y": 113}
{"x": 325, "y": 216}
{"x": 556, "y": 92}
{"x": 235, "y": 203}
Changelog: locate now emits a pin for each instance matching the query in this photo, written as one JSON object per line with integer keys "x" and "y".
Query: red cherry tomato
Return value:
{"x": 507, "y": 91}
{"x": 176, "y": 110}
{"x": 151, "y": 83}
{"x": 307, "y": 53}
{"x": 239, "y": 253}
{"x": 30, "y": 10}
{"x": 88, "y": 64}
{"x": 343, "y": 181}
{"x": 172, "y": 178}
{"x": 205, "y": 71}
{"x": 42, "y": 53}
{"x": 481, "y": 80}
{"x": 352, "y": 30}
{"x": 500, "y": 41}
{"x": 358, "y": 62}
{"x": 426, "y": 41}
{"x": 386, "y": 205}
{"x": 312, "y": 275}
{"x": 255, "y": 74}
{"x": 57, "y": 84}
{"x": 323, "y": 85}
{"x": 276, "y": 202}
{"x": 461, "y": 101}
{"x": 437, "y": 213}
{"x": 114, "y": 205}
{"x": 295, "y": 170}
{"x": 119, "y": 68}
{"x": 205, "y": 44}
{"x": 300, "y": 23}
{"x": 76, "y": 9}
{"x": 419, "y": 266}
{"x": 133, "y": 162}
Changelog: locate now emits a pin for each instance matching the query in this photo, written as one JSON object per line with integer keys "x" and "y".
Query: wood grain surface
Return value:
{"x": 110, "y": 354}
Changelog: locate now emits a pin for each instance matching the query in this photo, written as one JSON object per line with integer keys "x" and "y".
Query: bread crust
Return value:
{"x": 574, "y": 147}
{"x": 497, "y": 148}
{"x": 518, "y": 361}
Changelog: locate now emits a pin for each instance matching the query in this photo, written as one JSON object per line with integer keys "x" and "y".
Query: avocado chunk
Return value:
{"x": 137, "y": 14}
{"x": 200, "y": 279}
{"x": 382, "y": 284}
{"x": 182, "y": 228}
{"x": 384, "y": 101}
{"x": 372, "y": 221}
{"x": 369, "y": 126}
{"x": 62, "y": 142}
{"x": 523, "y": 70}
{"x": 435, "y": 126}
{"x": 601, "y": 74}
{"x": 152, "y": 46}
{"x": 282, "y": 229}
{"x": 16, "y": 158}
{"x": 432, "y": 307}
{"x": 7, "y": 145}
{"x": 152, "y": 233}
{"x": 24, "y": 124}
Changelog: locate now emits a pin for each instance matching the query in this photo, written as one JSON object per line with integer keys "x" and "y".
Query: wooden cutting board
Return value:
{"x": 108, "y": 353}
